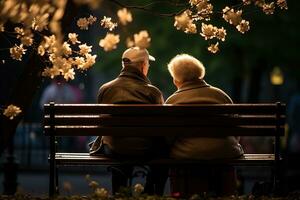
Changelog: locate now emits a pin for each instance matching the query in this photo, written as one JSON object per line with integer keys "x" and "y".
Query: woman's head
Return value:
{"x": 184, "y": 68}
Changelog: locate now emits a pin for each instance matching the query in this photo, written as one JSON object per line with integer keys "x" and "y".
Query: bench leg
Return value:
{"x": 53, "y": 168}
{"x": 53, "y": 183}
{"x": 277, "y": 167}
{"x": 52, "y": 179}
{"x": 277, "y": 178}
{"x": 56, "y": 181}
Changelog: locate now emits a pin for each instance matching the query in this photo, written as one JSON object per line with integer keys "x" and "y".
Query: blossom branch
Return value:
{"x": 144, "y": 8}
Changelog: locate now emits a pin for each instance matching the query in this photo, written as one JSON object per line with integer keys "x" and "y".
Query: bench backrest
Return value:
{"x": 209, "y": 120}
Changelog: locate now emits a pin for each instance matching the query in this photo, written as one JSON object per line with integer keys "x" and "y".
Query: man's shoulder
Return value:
{"x": 108, "y": 84}
{"x": 129, "y": 84}
{"x": 154, "y": 88}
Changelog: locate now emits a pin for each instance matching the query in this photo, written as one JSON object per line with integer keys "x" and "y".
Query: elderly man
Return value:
{"x": 131, "y": 86}
{"x": 188, "y": 74}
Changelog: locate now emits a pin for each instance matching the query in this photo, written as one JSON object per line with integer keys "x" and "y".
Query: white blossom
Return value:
{"x": 124, "y": 16}
{"x": 12, "y": 111}
{"x": 17, "y": 52}
{"x": 109, "y": 42}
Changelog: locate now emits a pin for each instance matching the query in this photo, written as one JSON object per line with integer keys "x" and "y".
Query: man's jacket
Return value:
{"x": 130, "y": 87}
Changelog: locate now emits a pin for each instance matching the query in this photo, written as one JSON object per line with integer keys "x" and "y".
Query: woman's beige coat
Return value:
{"x": 199, "y": 92}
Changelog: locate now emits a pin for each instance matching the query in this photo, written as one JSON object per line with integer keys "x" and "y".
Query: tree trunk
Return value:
{"x": 22, "y": 96}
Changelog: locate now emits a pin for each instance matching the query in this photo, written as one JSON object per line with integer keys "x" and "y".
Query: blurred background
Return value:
{"x": 260, "y": 66}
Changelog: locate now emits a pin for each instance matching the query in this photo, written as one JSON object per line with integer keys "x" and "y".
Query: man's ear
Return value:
{"x": 144, "y": 68}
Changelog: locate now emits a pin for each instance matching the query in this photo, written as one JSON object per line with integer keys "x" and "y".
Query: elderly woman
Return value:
{"x": 188, "y": 76}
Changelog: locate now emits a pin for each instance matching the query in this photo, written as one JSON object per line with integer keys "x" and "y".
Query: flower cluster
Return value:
{"x": 209, "y": 32}
{"x": 17, "y": 52}
{"x": 25, "y": 36}
{"x": 30, "y": 17}
{"x": 231, "y": 16}
{"x": 12, "y": 111}
{"x": 109, "y": 42}
{"x": 247, "y": 2}
{"x": 59, "y": 55}
{"x": 35, "y": 15}
{"x": 73, "y": 38}
{"x": 185, "y": 22}
{"x": 107, "y": 23}
{"x": 202, "y": 10}
{"x": 26, "y": 39}
{"x": 63, "y": 58}
{"x": 213, "y": 48}
{"x": 243, "y": 26}
{"x": 124, "y": 16}
{"x": 84, "y": 23}
{"x": 141, "y": 39}
{"x": 282, "y": 4}
{"x": 235, "y": 18}
{"x": 269, "y": 8}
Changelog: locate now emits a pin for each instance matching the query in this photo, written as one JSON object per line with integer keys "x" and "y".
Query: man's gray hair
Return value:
{"x": 184, "y": 67}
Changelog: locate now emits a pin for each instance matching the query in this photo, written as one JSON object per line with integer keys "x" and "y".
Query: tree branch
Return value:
{"x": 144, "y": 8}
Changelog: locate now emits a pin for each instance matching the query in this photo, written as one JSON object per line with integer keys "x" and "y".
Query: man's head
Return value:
{"x": 138, "y": 58}
{"x": 184, "y": 68}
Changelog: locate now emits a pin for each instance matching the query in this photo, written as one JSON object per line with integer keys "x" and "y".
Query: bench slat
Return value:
{"x": 165, "y": 131}
{"x": 163, "y": 120}
{"x": 86, "y": 159}
{"x": 183, "y": 109}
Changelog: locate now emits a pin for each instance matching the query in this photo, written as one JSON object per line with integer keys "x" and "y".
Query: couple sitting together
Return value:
{"x": 133, "y": 86}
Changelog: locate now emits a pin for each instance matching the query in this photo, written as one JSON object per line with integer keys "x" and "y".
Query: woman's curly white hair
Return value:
{"x": 184, "y": 67}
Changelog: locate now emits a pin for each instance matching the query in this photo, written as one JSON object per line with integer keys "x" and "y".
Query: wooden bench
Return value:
{"x": 211, "y": 120}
